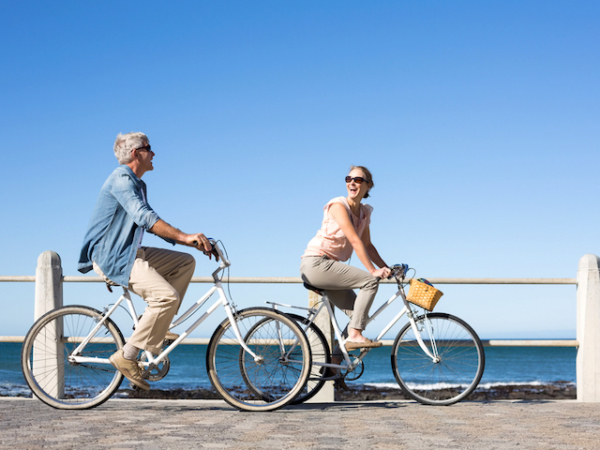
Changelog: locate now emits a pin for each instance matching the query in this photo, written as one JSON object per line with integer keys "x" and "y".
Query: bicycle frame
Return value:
{"x": 151, "y": 360}
{"x": 349, "y": 364}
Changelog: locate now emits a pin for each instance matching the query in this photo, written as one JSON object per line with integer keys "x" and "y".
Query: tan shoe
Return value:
{"x": 129, "y": 369}
{"x": 171, "y": 336}
{"x": 368, "y": 343}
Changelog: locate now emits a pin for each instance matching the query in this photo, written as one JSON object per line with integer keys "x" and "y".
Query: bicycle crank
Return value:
{"x": 354, "y": 374}
{"x": 154, "y": 372}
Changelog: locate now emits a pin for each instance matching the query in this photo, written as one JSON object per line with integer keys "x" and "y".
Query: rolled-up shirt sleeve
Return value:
{"x": 130, "y": 198}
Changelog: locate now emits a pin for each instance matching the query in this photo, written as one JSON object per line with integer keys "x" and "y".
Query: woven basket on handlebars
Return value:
{"x": 423, "y": 295}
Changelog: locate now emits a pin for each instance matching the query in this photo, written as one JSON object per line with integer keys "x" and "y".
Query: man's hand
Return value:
{"x": 198, "y": 240}
{"x": 202, "y": 243}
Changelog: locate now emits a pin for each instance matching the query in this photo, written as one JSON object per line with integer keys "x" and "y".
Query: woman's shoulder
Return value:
{"x": 341, "y": 200}
{"x": 368, "y": 208}
{"x": 337, "y": 200}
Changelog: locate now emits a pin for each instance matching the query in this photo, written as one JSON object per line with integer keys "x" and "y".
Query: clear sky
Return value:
{"x": 479, "y": 120}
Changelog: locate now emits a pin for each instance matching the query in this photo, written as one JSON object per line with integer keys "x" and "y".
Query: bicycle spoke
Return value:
{"x": 449, "y": 379}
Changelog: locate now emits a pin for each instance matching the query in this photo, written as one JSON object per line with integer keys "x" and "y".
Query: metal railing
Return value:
{"x": 386, "y": 342}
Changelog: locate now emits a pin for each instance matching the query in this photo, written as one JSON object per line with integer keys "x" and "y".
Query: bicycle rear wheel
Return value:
{"x": 278, "y": 373}
{"x": 52, "y": 373}
{"x": 319, "y": 349}
{"x": 458, "y": 369}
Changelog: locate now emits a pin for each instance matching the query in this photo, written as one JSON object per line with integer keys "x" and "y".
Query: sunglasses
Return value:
{"x": 147, "y": 148}
{"x": 357, "y": 180}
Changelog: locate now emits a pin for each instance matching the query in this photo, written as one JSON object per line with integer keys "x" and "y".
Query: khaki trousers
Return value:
{"x": 338, "y": 281}
{"x": 161, "y": 277}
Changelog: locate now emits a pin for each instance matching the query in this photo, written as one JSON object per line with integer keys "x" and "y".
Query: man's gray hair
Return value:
{"x": 125, "y": 143}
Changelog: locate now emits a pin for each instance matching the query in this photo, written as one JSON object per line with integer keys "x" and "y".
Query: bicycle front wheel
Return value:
{"x": 61, "y": 372}
{"x": 274, "y": 375}
{"x": 455, "y": 370}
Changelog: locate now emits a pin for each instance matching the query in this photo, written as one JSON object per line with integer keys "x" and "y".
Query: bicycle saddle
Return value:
{"x": 312, "y": 288}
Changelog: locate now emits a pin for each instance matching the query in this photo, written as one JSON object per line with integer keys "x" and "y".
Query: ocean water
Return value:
{"x": 504, "y": 366}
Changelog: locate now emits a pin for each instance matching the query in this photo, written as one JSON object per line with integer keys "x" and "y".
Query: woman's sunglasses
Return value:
{"x": 357, "y": 180}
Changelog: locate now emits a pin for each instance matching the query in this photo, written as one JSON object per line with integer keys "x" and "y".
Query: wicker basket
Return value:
{"x": 423, "y": 295}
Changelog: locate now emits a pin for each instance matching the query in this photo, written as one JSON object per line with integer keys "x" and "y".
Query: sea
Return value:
{"x": 504, "y": 366}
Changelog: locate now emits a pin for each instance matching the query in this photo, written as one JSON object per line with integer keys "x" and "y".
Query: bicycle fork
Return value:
{"x": 433, "y": 354}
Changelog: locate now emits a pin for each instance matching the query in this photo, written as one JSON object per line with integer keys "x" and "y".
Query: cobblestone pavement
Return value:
{"x": 188, "y": 424}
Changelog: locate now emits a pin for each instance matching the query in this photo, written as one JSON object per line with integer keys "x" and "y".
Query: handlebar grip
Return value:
{"x": 212, "y": 250}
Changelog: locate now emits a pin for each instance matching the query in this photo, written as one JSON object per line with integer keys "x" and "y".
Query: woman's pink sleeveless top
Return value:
{"x": 330, "y": 239}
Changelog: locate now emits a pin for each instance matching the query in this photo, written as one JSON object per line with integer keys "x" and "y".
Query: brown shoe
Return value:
{"x": 129, "y": 369}
{"x": 341, "y": 384}
{"x": 368, "y": 343}
{"x": 171, "y": 336}
{"x": 331, "y": 374}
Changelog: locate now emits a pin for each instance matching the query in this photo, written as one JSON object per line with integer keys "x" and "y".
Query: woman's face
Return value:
{"x": 357, "y": 191}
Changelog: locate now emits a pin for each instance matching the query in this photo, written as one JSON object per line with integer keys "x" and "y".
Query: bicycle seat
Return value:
{"x": 312, "y": 288}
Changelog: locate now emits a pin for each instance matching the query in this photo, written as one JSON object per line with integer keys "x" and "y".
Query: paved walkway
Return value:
{"x": 197, "y": 424}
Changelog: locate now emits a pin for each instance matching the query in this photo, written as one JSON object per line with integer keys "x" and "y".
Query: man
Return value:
{"x": 113, "y": 248}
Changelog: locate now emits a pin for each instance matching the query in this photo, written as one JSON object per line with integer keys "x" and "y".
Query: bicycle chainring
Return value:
{"x": 354, "y": 374}
{"x": 155, "y": 373}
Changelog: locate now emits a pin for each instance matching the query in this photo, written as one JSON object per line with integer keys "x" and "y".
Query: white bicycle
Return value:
{"x": 65, "y": 354}
{"x": 437, "y": 358}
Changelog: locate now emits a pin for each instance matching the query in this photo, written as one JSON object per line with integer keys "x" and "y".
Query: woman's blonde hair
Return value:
{"x": 368, "y": 177}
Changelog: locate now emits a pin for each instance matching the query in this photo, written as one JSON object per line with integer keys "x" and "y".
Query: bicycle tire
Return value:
{"x": 454, "y": 376}
{"x": 319, "y": 349}
{"x": 320, "y": 352}
{"x": 65, "y": 384}
{"x": 274, "y": 382}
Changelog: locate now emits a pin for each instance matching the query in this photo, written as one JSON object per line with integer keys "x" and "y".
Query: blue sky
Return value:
{"x": 479, "y": 120}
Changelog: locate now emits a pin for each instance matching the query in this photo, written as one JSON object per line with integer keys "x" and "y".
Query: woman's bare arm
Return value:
{"x": 340, "y": 215}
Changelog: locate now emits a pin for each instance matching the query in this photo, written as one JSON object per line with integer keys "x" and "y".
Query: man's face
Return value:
{"x": 144, "y": 156}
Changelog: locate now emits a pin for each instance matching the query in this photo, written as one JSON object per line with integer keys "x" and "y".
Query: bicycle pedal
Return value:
{"x": 333, "y": 378}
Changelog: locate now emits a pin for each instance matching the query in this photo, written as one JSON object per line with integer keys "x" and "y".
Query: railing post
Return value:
{"x": 48, "y": 284}
{"x": 588, "y": 329}
{"x": 326, "y": 394}
{"x": 48, "y": 348}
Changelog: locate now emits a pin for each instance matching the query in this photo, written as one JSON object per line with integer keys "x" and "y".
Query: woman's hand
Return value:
{"x": 382, "y": 273}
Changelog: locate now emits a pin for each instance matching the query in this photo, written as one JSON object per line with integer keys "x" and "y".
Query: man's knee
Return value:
{"x": 191, "y": 261}
{"x": 187, "y": 264}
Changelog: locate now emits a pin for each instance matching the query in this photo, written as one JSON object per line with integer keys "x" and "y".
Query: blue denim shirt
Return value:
{"x": 114, "y": 230}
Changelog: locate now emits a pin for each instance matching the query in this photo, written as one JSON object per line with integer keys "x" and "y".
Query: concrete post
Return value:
{"x": 48, "y": 284}
{"x": 326, "y": 394}
{"x": 48, "y": 348}
{"x": 588, "y": 329}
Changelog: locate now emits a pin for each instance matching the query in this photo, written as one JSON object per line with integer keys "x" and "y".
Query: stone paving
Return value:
{"x": 198, "y": 424}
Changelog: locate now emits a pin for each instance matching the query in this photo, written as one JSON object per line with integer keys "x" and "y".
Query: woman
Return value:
{"x": 345, "y": 228}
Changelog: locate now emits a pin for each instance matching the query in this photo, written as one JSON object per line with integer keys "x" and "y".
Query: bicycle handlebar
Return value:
{"x": 399, "y": 270}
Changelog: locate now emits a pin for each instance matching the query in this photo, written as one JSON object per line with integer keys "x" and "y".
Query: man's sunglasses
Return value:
{"x": 146, "y": 148}
{"x": 357, "y": 180}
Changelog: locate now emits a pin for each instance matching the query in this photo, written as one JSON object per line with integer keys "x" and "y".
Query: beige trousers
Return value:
{"x": 338, "y": 280}
{"x": 161, "y": 277}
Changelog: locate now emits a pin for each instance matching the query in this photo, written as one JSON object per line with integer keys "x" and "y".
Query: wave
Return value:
{"x": 14, "y": 390}
{"x": 482, "y": 386}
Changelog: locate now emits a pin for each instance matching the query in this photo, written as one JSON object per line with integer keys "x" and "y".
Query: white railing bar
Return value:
{"x": 530, "y": 343}
{"x": 17, "y": 278}
{"x": 297, "y": 280}
{"x": 389, "y": 342}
